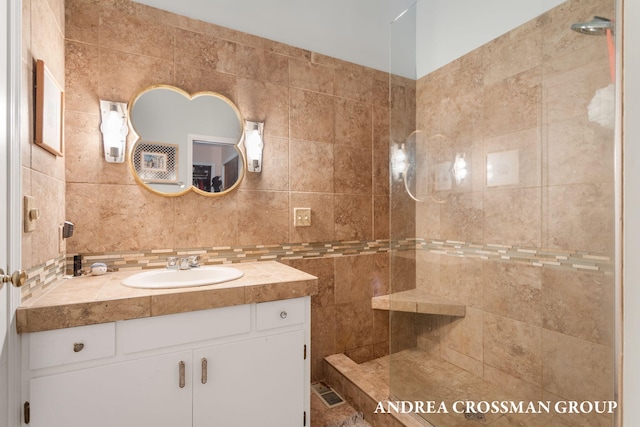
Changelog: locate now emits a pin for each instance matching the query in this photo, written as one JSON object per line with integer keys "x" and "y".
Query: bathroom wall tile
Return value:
{"x": 528, "y": 143}
{"x": 150, "y": 38}
{"x": 354, "y": 82}
{"x": 204, "y": 51}
{"x": 353, "y": 123}
{"x": 88, "y": 234}
{"x": 380, "y": 217}
{"x": 402, "y": 271}
{"x": 287, "y": 50}
{"x": 428, "y": 218}
{"x": 463, "y": 361}
{"x": 361, "y": 277}
{"x": 275, "y": 167}
{"x": 352, "y": 170}
{"x": 46, "y": 190}
{"x": 83, "y": 147}
{"x": 216, "y": 223}
{"x": 311, "y": 115}
{"x": 402, "y": 331}
{"x": 81, "y": 77}
{"x": 353, "y": 323}
{"x": 513, "y": 217}
{"x": 130, "y": 232}
{"x": 578, "y": 152}
{"x": 579, "y": 304}
{"x": 428, "y": 271}
{"x": 323, "y": 269}
{"x": 27, "y": 127}
{"x": 575, "y": 369}
{"x": 513, "y": 347}
{"x": 380, "y": 333}
{"x": 579, "y": 217}
{"x": 514, "y": 388}
{"x": 47, "y": 43}
{"x": 122, "y": 75}
{"x": 323, "y": 336}
{"x": 309, "y": 76}
{"x": 353, "y": 216}
{"x": 311, "y": 166}
{"x": 192, "y": 80}
{"x": 380, "y": 149}
{"x": 523, "y": 90}
{"x": 513, "y": 290}
{"x": 460, "y": 280}
{"x": 265, "y": 102}
{"x": 465, "y": 335}
{"x": 361, "y": 354}
{"x": 257, "y": 64}
{"x": 402, "y": 212}
{"x": 267, "y": 225}
{"x": 322, "y": 211}
{"x": 461, "y": 217}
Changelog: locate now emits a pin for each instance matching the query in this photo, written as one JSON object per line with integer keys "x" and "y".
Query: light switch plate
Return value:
{"x": 30, "y": 214}
{"x": 301, "y": 217}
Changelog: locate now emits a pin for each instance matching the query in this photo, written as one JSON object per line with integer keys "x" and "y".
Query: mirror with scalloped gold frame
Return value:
{"x": 186, "y": 142}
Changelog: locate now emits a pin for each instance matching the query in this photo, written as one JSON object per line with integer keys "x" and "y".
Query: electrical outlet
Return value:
{"x": 301, "y": 217}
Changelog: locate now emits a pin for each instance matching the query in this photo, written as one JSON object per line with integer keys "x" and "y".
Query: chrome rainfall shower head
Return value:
{"x": 598, "y": 26}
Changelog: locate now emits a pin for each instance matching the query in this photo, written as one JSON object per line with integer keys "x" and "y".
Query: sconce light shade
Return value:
{"x": 399, "y": 162}
{"x": 254, "y": 145}
{"x": 114, "y": 130}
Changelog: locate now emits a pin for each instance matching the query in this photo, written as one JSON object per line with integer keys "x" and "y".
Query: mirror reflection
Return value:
{"x": 186, "y": 142}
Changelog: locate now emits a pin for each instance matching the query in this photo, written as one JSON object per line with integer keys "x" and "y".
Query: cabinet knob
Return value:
{"x": 283, "y": 314}
{"x": 77, "y": 347}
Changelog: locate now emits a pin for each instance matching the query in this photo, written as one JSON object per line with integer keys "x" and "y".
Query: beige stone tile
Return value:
{"x": 116, "y": 206}
{"x": 81, "y": 77}
{"x": 461, "y": 217}
{"x": 579, "y": 304}
{"x": 311, "y": 166}
{"x": 309, "y": 76}
{"x": 257, "y": 64}
{"x": 513, "y": 217}
{"x": 267, "y": 225}
{"x": 352, "y": 170}
{"x": 322, "y": 224}
{"x": 579, "y": 217}
{"x": 353, "y": 123}
{"x": 529, "y": 145}
{"x": 360, "y": 277}
{"x": 353, "y": 217}
{"x": 380, "y": 217}
{"x": 514, "y": 347}
{"x": 402, "y": 271}
{"x": 354, "y": 82}
{"x": 578, "y": 152}
{"x": 196, "y": 300}
{"x": 204, "y": 221}
{"x": 523, "y": 90}
{"x": 402, "y": 213}
{"x": 287, "y": 50}
{"x": 311, "y": 115}
{"x": 265, "y": 102}
{"x": 380, "y": 150}
{"x": 462, "y": 361}
{"x": 192, "y": 80}
{"x": 122, "y": 75}
{"x": 354, "y": 323}
{"x": 513, "y": 388}
{"x": 323, "y": 269}
{"x": 88, "y": 228}
{"x": 47, "y": 191}
{"x": 427, "y": 219}
{"x": 460, "y": 280}
{"x": 150, "y": 37}
{"x": 83, "y": 143}
{"x": 275, "y": 167}
{"x": 360, "y": 355}
{"x": 380, "y": 333}
{"x": 513, "y": 290}
{"x": 47, "y": 38}
{"x": 575, "y": 369}
{"x": 323, "y": 335}
{"x": 204, "y": 51}
{"x": 465, "y": 335}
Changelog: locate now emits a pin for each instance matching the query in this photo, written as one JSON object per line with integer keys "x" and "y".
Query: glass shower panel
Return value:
{"x": 502, "y": 222}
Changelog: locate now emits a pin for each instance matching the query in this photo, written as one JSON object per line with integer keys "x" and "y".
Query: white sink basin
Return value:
{"x": 164, "y": 279}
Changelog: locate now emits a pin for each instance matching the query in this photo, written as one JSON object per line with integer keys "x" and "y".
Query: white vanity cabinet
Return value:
{"x": 233, "y": 366}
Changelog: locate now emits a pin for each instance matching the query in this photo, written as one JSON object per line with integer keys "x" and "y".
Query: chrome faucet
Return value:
{"x": 194, "y": 261}
{"x": 185, "y": 264}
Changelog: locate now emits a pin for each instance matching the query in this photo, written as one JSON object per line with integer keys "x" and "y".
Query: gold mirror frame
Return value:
{"x": 167, "y": 147}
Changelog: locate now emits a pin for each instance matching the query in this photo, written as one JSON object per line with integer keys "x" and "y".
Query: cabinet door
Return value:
{"x": 259, "y": 382}
{"x": 144, "y": 392}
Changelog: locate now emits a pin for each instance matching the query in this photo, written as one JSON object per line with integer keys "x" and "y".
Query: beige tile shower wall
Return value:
{"x": 538, "y": 332}
{"x": 326, "y": 134}
{"x": 43, "y": 174}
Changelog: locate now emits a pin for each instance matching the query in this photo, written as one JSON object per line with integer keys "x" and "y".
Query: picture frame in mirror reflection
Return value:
{"x": 156, "y": 162}
{"x": 49, "y": 118}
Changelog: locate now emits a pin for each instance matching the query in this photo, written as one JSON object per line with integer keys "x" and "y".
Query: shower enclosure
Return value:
{"x": 502, "y": 209}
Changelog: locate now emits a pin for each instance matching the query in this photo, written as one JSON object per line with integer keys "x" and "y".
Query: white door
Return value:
{"x": 10, "y": 14}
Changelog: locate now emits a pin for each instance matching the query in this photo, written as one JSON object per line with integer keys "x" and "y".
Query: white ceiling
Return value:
{"x": 433, "y": 33}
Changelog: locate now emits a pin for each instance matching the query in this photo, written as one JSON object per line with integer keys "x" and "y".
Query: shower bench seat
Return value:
{"x": 418, "y": 301}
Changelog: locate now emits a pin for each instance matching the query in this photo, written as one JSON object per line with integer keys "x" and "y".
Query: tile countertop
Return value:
{"x": 88, "y": 300}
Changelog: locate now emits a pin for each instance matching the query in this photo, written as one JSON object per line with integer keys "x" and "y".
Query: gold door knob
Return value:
{"x": 18, "y": 278}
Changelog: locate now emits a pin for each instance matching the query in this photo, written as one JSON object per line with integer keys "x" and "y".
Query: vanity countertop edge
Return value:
{"x": 88, "y": 300}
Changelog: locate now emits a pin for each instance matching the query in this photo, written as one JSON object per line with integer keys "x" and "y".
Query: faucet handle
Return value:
{"x": 194, "y": 261}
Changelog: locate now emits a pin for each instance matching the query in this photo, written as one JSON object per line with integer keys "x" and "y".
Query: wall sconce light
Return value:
{"x": 399, "y": 163}
{"x": 460, "y": 169}
{"x": 254, "y": 145}
{"x": 114, "y": 130}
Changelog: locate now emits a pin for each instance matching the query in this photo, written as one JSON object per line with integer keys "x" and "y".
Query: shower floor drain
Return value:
{"x": 327, "y": 394}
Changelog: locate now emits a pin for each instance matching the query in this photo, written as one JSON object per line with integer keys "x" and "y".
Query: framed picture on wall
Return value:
{"x": 49, "y": 129}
